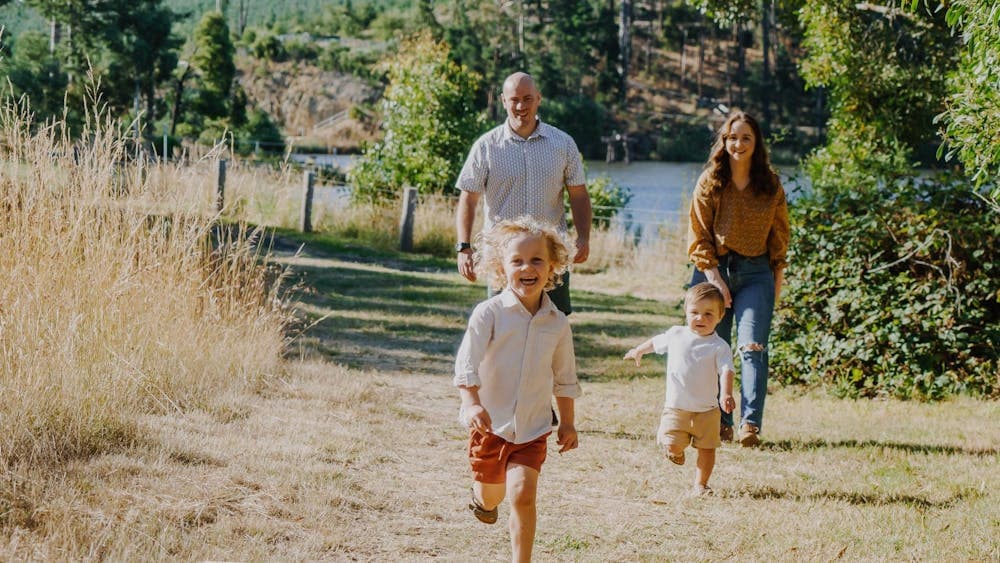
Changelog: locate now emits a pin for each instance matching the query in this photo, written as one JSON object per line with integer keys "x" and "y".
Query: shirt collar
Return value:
{"x": 540, "y": 131}
{"x": 510, "y": 301}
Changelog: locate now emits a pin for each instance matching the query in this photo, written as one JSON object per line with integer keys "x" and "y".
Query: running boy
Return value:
{"x": 516, "y": 355}
{"x": 699, "y": 364}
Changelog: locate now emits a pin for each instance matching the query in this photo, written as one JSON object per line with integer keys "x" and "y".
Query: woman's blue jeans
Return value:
{"x": 751, "y": 285}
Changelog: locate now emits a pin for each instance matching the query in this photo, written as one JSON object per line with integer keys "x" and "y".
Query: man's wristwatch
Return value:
{"x": 462, "y": 246}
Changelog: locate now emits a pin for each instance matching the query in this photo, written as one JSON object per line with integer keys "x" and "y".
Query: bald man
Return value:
{"x": 523, "y": 167}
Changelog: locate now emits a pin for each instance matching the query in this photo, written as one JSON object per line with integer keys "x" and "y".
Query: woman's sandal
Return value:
{"x": 676, "y": 458}
{"x": 483, "y": 515}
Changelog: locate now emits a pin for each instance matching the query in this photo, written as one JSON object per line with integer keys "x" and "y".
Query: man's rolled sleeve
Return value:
{"x": 564, "y": 380}
{"x": 472, "y": 178}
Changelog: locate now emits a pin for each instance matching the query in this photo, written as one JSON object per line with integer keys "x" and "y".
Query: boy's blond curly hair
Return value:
{"x": 492, "y": 244}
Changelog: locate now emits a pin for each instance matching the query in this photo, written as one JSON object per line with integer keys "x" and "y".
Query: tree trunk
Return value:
{"x": 178, "y": 95}
{"x": 730, "y": 96}
{"x": 684, "y": 36}
{"x": 767, "y": 11}
{"x": 741, "y": 66}
{"x": 625, "y": 47}
{"x": 701, "y": 59}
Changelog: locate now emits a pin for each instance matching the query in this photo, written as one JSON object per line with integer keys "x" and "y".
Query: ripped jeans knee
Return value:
{"x": 752, "y": 347}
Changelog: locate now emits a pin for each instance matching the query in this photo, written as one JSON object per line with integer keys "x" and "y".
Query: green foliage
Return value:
{"x": 267, "y": 46}
{"x": 213, "y": 56}
{"x": 429, "y": 118}
{"x": 126, "y": 46}
{"x": 560, "y": 65}
{"x": 565, "y": 113}
{"x": 892, "y": 292}
{"x": 336, "y": 57}
{"x": 608, "y": 199}
{"x": 34, "y": 73}
{"x": 685, "y": 140}
{"x": 972, "y": 118}
{"x": 884, "y": 70}
{"x": 260, "y": 127}
{"x": 726, "y": 12}
{"x": 857, "y": 157}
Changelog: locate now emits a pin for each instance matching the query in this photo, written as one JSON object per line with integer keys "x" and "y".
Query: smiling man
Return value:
{"x": 523, "y": 167}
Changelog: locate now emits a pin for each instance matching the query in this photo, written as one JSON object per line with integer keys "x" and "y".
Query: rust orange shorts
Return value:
{"x": 490, "y": 454}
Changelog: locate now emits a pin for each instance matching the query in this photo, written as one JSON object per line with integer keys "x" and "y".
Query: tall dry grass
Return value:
{"x": 654, "y": 266}
{"x": 114, "y": 300}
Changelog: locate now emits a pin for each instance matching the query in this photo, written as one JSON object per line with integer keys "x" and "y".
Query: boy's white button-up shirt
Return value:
{"x": 518, "y": 362}
{"x": 695, "y": 366}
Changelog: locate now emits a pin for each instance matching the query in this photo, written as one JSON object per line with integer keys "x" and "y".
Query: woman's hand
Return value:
{"x": 715, "y": 278}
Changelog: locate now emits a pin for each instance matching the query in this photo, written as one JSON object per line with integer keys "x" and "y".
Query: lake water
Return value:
{"x": 660, "y": 190}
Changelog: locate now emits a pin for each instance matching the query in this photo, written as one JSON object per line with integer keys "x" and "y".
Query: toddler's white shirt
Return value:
{"x": 519, "y": 362}
{"x": 695, "y": 365}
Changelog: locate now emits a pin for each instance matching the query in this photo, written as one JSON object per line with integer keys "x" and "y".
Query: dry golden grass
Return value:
{"x": 110, "y": 312}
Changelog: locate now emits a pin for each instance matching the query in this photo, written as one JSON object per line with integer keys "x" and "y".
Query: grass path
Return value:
{"x": 354, "y": 454}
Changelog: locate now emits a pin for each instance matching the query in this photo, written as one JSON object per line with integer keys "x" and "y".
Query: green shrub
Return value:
{"x": 607, "y": 198}
{"x": 892, "y": 291}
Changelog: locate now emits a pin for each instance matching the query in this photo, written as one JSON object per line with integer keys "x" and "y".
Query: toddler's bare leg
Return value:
{"x": 523, "y": 483}
{"x": 706, "y": 461}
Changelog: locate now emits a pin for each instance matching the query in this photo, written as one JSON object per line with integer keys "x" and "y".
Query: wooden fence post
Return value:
{"x": 305, "y": 220}
{"x": 220, "y": 186}
{"x": 406, "y": 219}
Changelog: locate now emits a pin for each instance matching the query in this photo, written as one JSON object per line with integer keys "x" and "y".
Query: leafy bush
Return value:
{"x": 430, "y": 120}
{"x": 892, "y": 291}
{"x": 608, "y": 199}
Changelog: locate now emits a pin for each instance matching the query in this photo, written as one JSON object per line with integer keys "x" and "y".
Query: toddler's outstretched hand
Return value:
{"x": 634, "y": 354}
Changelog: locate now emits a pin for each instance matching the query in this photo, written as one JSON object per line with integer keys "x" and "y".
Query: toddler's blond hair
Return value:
{"x": 491, "y": 245}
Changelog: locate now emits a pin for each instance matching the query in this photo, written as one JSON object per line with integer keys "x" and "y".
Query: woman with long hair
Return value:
{"x": 738, "y": 242}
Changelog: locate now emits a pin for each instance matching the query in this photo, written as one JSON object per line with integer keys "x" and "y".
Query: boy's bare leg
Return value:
{"x": 523, "y": 482}
{"x": 489, "y": 495}
{"x": 706, "y": 461}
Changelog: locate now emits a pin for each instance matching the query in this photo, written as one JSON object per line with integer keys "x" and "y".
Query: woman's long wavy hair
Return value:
{"x": 763, "y": 179}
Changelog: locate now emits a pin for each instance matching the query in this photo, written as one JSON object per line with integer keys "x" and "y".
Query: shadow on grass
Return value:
{"x": 790, "y": 445}
{"x": 856, "y": 498}
{"x": 384, "y": 318}
{"x": 389, "y": 310}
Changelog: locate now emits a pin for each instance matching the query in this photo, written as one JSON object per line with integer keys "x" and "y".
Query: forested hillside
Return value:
{"x": 300, "y": 63}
